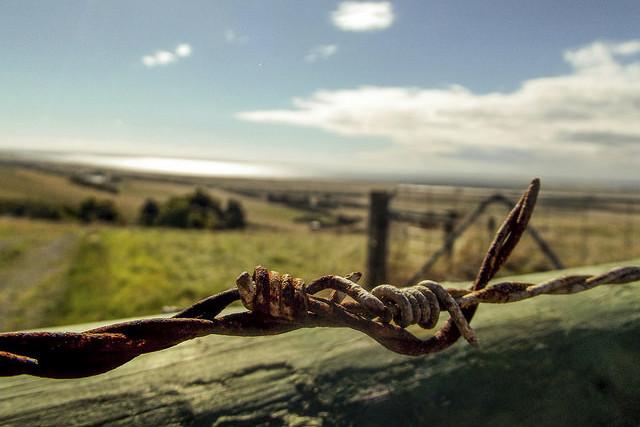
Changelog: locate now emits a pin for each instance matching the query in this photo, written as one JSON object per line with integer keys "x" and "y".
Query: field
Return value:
{"x": 580, "y": 226}
{"x": 65, "y": 273}
{"x": 54, "y": 273}
{"x": 568, "y": 360}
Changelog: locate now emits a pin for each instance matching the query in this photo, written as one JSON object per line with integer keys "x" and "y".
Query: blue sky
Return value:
{"x": 545, "y": 88}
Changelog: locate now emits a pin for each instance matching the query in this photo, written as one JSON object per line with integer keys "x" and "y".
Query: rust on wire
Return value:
{"x": 278, "y": 303}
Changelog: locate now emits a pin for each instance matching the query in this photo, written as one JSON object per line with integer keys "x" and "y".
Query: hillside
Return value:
{"x": 52, "y": 183}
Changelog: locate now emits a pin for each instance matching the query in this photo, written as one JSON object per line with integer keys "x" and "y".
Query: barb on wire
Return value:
{"x": 278, "y": 303}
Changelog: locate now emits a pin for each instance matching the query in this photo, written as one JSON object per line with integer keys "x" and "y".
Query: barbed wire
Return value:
{"x": 278, "y": 303}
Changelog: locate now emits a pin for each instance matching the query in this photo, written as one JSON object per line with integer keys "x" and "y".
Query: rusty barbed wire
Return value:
{"x": 280, "y": 303}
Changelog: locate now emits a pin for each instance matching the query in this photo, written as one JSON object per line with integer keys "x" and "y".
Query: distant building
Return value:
{"x": 96, "y": 179}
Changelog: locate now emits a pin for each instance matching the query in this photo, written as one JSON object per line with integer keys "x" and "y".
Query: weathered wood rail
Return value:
{"x": 557, "y": 359}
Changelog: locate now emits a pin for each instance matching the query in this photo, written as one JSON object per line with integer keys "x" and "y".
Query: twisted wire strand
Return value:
{"x": 517, "y": 291}
{"x": 278, "y": 295}
{"x": 279, "y": 304}
{"x": 420, "y": 304}
{"x": 73, "y": 355}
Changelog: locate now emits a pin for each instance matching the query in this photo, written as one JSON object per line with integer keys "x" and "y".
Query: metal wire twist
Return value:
{"x": 420, "y": 304}
{"x": 280, "y": 303}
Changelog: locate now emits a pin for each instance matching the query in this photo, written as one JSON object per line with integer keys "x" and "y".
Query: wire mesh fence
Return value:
{"x": 582, "y": 227}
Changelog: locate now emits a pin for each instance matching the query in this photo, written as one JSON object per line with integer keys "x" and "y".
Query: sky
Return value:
{"x": 414, "y": 88}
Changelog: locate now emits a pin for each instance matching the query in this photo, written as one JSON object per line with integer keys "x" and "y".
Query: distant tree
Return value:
{"x": 174, "y": 213}
{"x": 31, "y": 209}
{"x": 10, "y": 207}
{"x": 196, "y": 210}
{"x": 234, "y": 215}
{"x": 44, "y": 210}
{"x": 87, "y": 210}
{"x": 205, "y": 210}
{"x": 202, "y": 199}
{"x": 149, "y": 212}
{"x": 106, "y": 211}
{"x": 98, "y": 210}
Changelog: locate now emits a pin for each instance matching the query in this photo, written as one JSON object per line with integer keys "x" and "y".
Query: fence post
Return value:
{"x": 448, "y": 227}
{"x": 377, "y": 238}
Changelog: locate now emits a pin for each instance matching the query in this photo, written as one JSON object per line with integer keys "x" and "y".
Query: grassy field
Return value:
{"x": 557, "y": 360}
{"x": 63, "y": 272}
{"x": 67, "y": 273}
{"x": 59, "y": 273}
{"x": 35, "y": 184}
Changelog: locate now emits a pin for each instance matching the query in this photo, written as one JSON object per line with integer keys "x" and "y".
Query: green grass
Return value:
{"x": 113, "y": 272}
{"x": 33, "y": 259}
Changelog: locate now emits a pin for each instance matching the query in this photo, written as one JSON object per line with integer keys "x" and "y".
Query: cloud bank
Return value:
{"x": 321, "y": 52}
{"x": 164, "y": 57}
{"x": 594, "y": 108}
{"x": 363, "y": 16}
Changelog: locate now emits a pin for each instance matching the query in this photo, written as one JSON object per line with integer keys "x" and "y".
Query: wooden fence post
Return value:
{"x": 377, "y": 238}
{"x": 448, "y": 227}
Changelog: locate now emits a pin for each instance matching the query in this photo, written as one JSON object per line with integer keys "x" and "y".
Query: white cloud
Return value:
{"x": 601, "y": 56}
{"x": 363, "y": 16}
{"x": 593, "y": 109}
{"x": 232, "y": 37}
{"x": 149, "y": 61}
{"x": 321, "y": 52}
{"x": 183, "y": 50}
{"x": 165, "y": 57}
{"x": 626, "y": 48}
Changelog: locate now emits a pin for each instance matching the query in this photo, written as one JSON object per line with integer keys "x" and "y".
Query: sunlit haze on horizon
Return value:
{"x": 382, "y": 87}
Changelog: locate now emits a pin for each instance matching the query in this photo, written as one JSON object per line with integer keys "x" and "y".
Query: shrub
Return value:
{"x": 32, "y": 209}
{"x": 149, "y": 212}
{"x": 234, "y": 215}
{"x": 98, "y": 210}
{"x": 174, "y": 213}
{"x": 197, "y": 210}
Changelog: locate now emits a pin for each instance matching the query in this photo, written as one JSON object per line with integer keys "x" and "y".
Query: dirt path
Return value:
{"x": 31, "y": 270}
